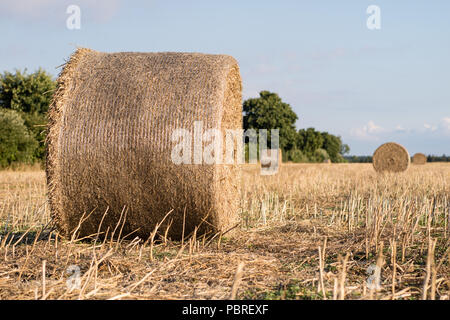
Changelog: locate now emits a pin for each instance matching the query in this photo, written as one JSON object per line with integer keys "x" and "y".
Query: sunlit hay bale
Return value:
{"x": 391, "y": 157}
{"x": 110, "y": 142}
{"x": 419, "y": 158}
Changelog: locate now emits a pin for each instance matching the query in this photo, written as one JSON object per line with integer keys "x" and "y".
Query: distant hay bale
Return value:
{"x": 265, "y": 162}
{"x": 391, "y": 157}
{"x": 419, "y": 158}
{"x": 109, "y": 142}
{"x": 327, "y": 161}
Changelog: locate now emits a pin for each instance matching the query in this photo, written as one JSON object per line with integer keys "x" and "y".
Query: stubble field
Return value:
{"x": 312, "y": 231}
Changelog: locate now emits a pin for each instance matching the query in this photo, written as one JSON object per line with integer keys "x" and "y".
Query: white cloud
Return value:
{"x": 369, "y": 132}
{"x": 374, "y": 132}
{"x": 445, "y": 125}
{"x": 440, "y": 128}
{"x": 373, "y": 128}
{"x": 429, "y": 127}
{"x": 431, "y": 137}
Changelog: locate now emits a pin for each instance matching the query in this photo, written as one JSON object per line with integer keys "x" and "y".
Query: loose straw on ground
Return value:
{"x": 343, "y": 276}
{"x": 430, "y": 270}
{"x": 237, "y": 280}
{"x": 321, "y": 286}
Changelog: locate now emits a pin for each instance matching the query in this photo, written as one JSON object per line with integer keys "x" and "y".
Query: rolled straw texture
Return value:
{"x": 419, "y": 158}
{"x": 265, "y": 164}
{"x": 391, "y": 157}
{"x": 109, "y": 143}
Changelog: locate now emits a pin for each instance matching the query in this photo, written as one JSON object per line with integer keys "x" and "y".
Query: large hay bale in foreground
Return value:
{"x": 109, "y": 142}
{"x": 419, "y": 158}
{"x": 391, "y": 157}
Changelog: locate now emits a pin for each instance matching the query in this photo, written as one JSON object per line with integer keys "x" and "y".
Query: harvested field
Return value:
{"x": 299, "y": 229}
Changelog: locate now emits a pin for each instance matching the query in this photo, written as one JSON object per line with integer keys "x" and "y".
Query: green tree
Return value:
{"x": 30, "y": 95}
{"x": 270, "y": 112}
{"x": 16, "y": 142}
{"x": 295, "y": 155}
{"x": 344, "y": 149}
{"x": 319, "y": 146}
{"x": 307, "y": 145}
{"x": 320, "y": 155}
{"x": 334, "y": 147}
{"x": 309, "y": 140}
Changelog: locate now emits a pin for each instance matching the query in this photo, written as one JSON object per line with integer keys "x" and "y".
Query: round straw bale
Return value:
{"x": 109, "y": 143}
{"x": 419, "y": 158}
{"x": 265, "y": 163}
{"x": 391, "y": 157}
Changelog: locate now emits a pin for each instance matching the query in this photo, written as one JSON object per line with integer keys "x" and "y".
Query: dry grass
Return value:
{"x": 310, "y": 232}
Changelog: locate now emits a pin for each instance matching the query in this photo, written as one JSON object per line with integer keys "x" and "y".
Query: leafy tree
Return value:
{"x": 16, "y": 142}
{"x": 320, "y": 155}
{"x": 270, "y": 112}
{"x": 26, "y": 93}
{"x": 295, "y": 155}
{"x": 334, "y": 147}
{"x": 30, "y": 95}
{"x": 319, "y": 146}
{"x": 344, "y": 149}
{"x": 309, "y": 140}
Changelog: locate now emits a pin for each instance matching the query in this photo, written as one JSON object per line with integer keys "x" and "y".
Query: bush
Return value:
{"x": 16, "y": 142}
{"x": 36, "y": 124}
{"x": 296, "y": 155}
{"x": 30, "y": 95}
{"x": 320, "y": 155}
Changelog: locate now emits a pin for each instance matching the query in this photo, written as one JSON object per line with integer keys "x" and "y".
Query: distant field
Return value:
{"x": 313, "y": 231}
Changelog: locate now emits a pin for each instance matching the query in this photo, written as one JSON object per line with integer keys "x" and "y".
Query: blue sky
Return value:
{"x": 368, "y": 86}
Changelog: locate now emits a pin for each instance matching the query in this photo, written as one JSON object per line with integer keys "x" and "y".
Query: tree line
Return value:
{"x": 368, "y": 159}
{"x": 268, "y": 111}
{"x": 25, "y": 99}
